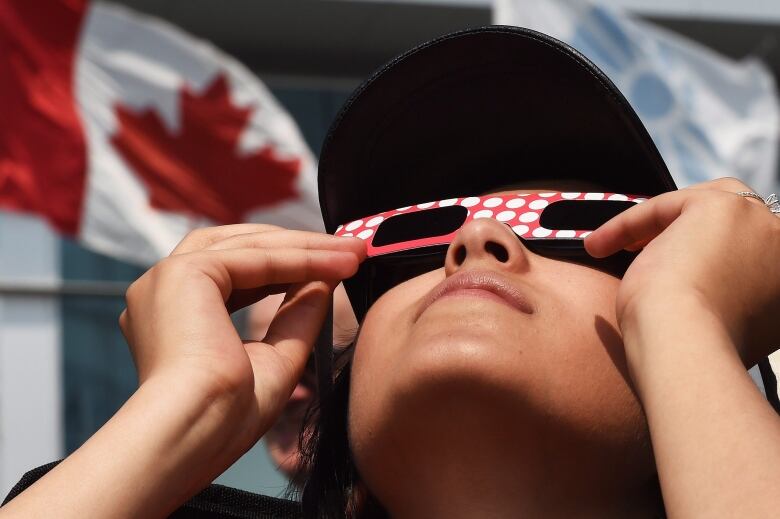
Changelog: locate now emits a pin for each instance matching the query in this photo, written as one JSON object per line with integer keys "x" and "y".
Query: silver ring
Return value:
{"x": 771, "y": 201}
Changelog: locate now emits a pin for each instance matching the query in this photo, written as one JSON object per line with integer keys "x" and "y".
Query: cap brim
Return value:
{"x": 479, "y": 109}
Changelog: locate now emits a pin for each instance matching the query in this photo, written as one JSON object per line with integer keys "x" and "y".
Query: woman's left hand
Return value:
{"x": 705, "y": 244}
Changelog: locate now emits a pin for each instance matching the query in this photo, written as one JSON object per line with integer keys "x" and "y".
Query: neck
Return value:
{"x": 460, "y": 466}
{"x": 506, "y": 501}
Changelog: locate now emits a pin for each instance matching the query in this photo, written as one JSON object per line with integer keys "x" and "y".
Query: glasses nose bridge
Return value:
{"x": 485, "y": 241}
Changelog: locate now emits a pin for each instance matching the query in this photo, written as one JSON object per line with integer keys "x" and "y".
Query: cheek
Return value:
{"x": 383, "y": 334}
{"x": 587, "y": 383}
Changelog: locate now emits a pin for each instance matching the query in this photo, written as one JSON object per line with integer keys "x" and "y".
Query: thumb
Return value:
{"x": 279, "y": 360}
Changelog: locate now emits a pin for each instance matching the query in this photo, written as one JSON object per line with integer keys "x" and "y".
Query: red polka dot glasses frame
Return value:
{"x": 574, "y": 216}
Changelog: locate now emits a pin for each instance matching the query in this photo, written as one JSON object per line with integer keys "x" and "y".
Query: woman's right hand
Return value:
{"x": 178, "y": 325}
{"x": 205, "y": 396}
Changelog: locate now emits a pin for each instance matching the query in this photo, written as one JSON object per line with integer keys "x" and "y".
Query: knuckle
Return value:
{"x": 265, "y": 227}
{"x": 168, "y": 270}
{"x": 132, "y": 293}
{"x": 732, "y": 184}
{"x": 197, "y": 237}
{"x": 124, "y": 322}
{"x": 173, "y": 266}
{"x": 723, "y": 201}
{"x": 269, "y": 262}
{"x": 726, "y": 209}
{"x": 309, "y": 266}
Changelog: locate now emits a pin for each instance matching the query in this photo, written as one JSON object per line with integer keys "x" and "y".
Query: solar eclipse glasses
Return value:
{"x": 409, "y": 241}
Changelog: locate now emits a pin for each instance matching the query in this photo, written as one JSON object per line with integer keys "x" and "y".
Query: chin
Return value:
{"x": 465, "y": 398}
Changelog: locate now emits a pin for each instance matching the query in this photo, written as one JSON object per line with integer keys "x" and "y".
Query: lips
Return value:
{"x": 473, "y": 281}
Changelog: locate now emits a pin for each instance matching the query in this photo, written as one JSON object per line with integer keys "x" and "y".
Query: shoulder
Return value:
{"x": 213, "y": 502}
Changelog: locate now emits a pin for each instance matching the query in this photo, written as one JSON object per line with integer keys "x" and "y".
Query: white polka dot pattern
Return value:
{"x": 373, "y": 222}
{"x": 541, "y": 232}
{"x": 529, "y": 217}
{"x": 505, "y": 216}
{"x": 504, "y": 208}
{"x": 354, "y": 225}
{"x": 520, "y": 229}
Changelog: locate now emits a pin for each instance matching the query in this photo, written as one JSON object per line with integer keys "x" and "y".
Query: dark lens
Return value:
{"x": 424, "y": 224}
{"x": 574, "y": 251}
{"x": 378, "y": 275}
{"x": 390, "y": 271}
{"x": 582, "y": 215}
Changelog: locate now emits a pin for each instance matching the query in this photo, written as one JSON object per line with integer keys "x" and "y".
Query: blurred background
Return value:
{"x": 73, "y": 234}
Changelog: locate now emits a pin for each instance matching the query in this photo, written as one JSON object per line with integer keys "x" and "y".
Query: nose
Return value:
{"x": 486, "y": 243}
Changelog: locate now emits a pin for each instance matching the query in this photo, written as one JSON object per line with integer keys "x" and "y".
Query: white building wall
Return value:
{"x": 30, "y": 329}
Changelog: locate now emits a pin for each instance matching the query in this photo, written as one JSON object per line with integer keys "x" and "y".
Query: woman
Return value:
{"x": 460, "y": 406}
{"x": 504, "y": 382}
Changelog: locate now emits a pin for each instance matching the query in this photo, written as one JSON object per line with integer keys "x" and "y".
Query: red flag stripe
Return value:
{"x": 42, "y": 144}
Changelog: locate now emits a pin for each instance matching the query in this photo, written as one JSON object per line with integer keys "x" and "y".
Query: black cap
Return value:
{"x": 479, "y": 109}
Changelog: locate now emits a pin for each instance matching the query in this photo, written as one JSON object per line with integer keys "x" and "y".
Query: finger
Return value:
{"x": 297, "y": 323}
{"x": 637, "y": 225}
{"x": 204, "y": 237}
{"x": 292, "y": 332}
{"x": 236, "y": 269}
{"x": 637, "y": 246}
{"x": 242, "y": 298}
{"x": 290, "y": 238}
{"x": 729, "y": 184}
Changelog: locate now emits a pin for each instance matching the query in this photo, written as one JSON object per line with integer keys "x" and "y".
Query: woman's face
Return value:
{"x": 502, "y": 366}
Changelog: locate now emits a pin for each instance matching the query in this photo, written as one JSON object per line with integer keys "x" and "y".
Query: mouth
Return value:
{"x": 477, "y": 283}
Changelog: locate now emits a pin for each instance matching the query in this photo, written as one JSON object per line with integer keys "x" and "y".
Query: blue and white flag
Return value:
{"x": 710, "y": 116}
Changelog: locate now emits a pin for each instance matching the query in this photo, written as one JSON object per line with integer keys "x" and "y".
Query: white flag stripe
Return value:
{"x": 144, "y": 63}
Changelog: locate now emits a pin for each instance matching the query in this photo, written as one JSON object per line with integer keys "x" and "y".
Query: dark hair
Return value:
{"x": 332, "y": 486}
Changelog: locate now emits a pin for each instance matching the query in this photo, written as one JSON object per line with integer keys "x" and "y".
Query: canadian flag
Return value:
{"x": 125, "y": 133}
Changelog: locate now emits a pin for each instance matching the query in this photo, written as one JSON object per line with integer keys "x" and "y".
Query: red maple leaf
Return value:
{"x": 198, "y": 171}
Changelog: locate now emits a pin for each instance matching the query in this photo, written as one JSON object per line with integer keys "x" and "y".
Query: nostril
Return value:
{"x": 498, "y": 251}
{"x": 460, "y": 255}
